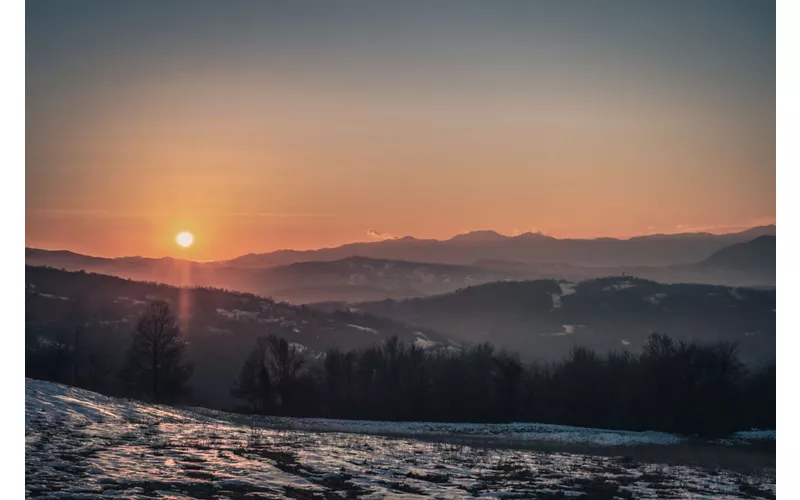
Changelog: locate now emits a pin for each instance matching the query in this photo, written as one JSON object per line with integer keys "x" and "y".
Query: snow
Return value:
{"x": 655, "y": 298}
{"x": 45, "y": 342}
{"x": 735, "y": 294}
{"x": 521, "y": 431}
{"x": 423, "y": 344}
{"x": 621, "y": 285}
{"x": 566, "y": 330}
{"x": 422, "y": 341}
{"x": 567, "y": 288}
{"x": 625, "y": 342}
{"x": 80, "y": 444}
{"x": 218, "y": 331}
{"x": 130, "y": 301}
{"x": 364, "y": 328}
{"x": 298, "y": 347}
{"x": 56, "y": 297}
{"x": 238, "y": 315}
{"x": 756, "y": 434}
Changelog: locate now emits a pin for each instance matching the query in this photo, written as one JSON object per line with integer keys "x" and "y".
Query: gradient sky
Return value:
{"x": 262, "y": 125}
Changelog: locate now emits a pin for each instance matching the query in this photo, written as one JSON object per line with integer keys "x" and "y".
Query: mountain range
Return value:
{"x": 529, "y": 248}
{"x": 356, "y": 278}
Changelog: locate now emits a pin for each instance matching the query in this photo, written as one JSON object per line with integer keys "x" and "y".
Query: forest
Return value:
{"x": 673, "y": 386}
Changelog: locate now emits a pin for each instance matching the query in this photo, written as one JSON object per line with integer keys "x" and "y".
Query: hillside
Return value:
{"x": 348, "y": 279}
{"x": 543, "y": 319}
{"x": 757, "y": 254}
{"x": 221, "y": 326}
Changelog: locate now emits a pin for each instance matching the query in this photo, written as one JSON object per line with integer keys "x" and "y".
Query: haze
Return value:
{"x": 265, "y": 125}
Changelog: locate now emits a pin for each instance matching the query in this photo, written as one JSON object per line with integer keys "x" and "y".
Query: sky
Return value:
{"x": 260, "y": 125}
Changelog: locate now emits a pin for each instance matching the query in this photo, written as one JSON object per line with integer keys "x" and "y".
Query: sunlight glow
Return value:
{"x": 185, "y": 239}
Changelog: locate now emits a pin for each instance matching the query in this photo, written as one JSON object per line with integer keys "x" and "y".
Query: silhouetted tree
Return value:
{"x": 254, "y": 384}
{"x": 153, "y": 365}
{"x": 672, "y": 386}
{"x": 269, "y": 377}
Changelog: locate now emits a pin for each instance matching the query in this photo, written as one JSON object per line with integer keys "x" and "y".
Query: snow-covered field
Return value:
{"x": 80, "y": 444}
{"x": 519, "y": 433}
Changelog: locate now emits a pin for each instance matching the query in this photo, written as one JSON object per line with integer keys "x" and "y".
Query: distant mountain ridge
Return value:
{"x": 529, "y": 248}
{"x": 357, "y": 278}
{"x": 758, "y": 253}
{"x": 487, "y": 244}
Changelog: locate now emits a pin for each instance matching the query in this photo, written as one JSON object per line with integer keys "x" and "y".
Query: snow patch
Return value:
{"x": 655, "y": 298}
{"x": 735, "y": 294}
{"x": 756, "y": 434}
{"x": 130, "y": 301}
{"x": 364, "y": 328}
{"x": 424, "y": 343}
{"x": 218, "y": 331}
{"x": 238, "y": 314}
{"x": 55, "y": 297}
{"x": 567, "y": 288}
{"x": 620, "y": 285}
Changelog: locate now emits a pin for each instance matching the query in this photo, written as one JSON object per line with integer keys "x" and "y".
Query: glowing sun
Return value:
{"x": 185, "y": 239}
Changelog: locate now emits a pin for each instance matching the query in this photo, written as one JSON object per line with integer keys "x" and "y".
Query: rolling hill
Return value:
{"x": 757, "y": 254}
{"x": 543, "y": 319}
{"x": 349, "y": 279}
{"x": 220, "y": 326}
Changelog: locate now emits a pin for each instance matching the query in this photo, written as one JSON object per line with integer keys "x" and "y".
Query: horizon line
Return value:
{"x": 375, "y": 241}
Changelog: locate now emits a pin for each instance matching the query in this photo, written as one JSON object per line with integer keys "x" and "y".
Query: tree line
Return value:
{"x": 672, "y": 386}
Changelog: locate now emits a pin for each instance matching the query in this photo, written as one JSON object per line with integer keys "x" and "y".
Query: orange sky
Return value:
{"x": 140, "y": 126}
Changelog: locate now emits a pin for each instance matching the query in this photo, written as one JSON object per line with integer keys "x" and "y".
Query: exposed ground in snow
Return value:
{"x": 83, "y": 445}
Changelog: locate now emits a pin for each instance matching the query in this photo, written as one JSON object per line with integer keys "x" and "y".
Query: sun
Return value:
{"x": 185, "y": 239}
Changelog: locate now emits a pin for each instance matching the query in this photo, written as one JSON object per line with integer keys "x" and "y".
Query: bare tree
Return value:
{"x": 254, "y": 384}
{"x": 286, "y": 362}
{"x": 269, "y": 375}
{"x": 153, "y": 366}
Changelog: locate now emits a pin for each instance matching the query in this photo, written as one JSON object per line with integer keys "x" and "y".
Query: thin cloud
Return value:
{"x": 376, "y": 235}
{"x": 72, "y": 212}
{"x": 69, "y": 211}
{"x": 285, "y": 215}
{"x": 722, "y": 228}
{"x": 533, "y": 229}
